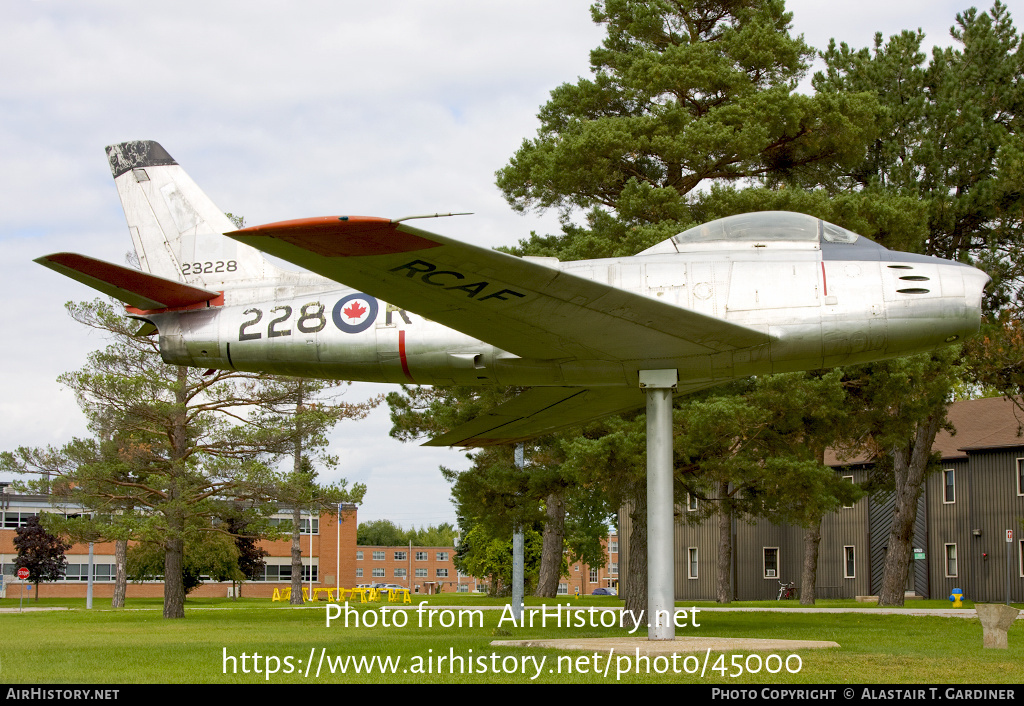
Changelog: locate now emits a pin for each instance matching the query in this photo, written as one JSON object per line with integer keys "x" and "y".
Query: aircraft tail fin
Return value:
{"x": 177, "y": 230}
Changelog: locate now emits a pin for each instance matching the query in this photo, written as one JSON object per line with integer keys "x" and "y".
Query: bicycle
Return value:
{"x": 787, "y": 591}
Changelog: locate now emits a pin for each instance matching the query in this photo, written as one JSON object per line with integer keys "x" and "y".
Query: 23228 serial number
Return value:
{"x": 207, "y": 268}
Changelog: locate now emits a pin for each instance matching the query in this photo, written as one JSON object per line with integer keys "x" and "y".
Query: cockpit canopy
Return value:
{"x": 764, "y": 229}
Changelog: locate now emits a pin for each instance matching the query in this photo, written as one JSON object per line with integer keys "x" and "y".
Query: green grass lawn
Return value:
{"x": 136, "y": 645}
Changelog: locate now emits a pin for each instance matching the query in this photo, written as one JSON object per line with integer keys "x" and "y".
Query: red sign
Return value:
{"x": 23, "y": 573}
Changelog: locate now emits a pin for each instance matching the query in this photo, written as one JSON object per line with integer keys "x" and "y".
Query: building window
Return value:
{"x": 359, "y": 556}
{"x": 400, "y": 556}
{"x": 849, "y": 478}
{"x": 421, "y": 573}
{"x": 849, "y": 563}
{"x": 1021, "y": 557}
{"x": 303, "y": 524}
{"x": 463, "y": 588}
{"x": 378, "y": 573}
{"x": 692, "y": 570}
{"x": 275, "y": 572}
{"x": 422, "y": 556}
{"x": 359, "y": 573}
{"x": 80, "y": 572}
{"x": 399, "y": 573}
{"x": 613, "y": 546}
{"x": 1020, "y": 476}
{"x": 283, "y": 572}
{"x": 563, "y": 589}
{"x": 691, "y": 502}
{"x": 13, "y": 520}
{"x": 951, "y": 561}
{"x": 948, "y": 487}
{"x": 442, "y": 573}
{"x": 442, "y": 556}
{"x": 771, "y": 562}
{"x": 613, "y": 568}
{"x": 378, "y": 556}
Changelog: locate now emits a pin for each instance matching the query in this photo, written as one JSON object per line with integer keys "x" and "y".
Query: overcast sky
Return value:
{"x": 287, "y": 110}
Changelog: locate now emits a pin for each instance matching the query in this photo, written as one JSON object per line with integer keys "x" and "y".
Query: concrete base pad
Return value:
{"x": 631, "y": 645}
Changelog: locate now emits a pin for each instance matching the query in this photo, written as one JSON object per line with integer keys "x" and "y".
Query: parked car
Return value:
{"x": 603, "y": 592}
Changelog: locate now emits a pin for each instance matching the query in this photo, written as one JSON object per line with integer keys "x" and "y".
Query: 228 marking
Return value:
{"x": 312, "y": 318}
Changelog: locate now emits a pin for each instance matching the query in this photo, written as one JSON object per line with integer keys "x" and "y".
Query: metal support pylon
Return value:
{"x": 658, "y": 386}
{"x": 518, "y": 573}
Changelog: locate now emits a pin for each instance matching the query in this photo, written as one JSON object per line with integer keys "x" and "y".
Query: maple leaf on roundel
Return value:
{"x": 354, "y": 311}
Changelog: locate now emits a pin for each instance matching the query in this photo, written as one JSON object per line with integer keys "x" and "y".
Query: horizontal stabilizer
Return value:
{"x": 133, "y": 287}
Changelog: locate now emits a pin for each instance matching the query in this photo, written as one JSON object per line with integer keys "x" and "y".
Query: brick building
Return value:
{"x": 328, "y": 557}
{"x": 586, "y": 579}
{"x": 420, "y": 569}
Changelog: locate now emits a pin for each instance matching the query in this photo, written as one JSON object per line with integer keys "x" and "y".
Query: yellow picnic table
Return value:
{"x": 285, "y": 594}
{"x": 317, "y": 592}
{"x": 399, "y": 595}
{"x": 366, "y": 595}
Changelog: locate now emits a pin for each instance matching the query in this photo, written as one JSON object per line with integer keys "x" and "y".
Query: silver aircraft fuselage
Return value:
{"x": 820, "y": 302}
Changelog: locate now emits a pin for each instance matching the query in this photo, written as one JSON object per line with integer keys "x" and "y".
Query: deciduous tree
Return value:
{"x": 40, "y": 552}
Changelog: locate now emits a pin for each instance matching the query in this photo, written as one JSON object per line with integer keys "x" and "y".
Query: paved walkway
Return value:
{"x": 643, "y": 646}
{"x": 932, "y": 612}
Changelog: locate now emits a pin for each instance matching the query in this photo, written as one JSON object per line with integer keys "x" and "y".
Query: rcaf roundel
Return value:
{"x": 355, "y": 313}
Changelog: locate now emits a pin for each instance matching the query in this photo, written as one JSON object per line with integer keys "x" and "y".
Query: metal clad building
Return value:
{"x": 960, "y": 538}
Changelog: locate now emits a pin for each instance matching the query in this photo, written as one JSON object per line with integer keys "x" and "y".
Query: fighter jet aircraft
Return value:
{"x": 384, "y": 301}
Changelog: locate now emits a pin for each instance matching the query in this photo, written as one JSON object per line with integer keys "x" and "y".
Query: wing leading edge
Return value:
{"x": 519, "y": 306}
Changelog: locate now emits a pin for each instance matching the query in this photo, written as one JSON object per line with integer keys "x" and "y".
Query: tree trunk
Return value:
{"x": 554, "y": 547}
{"x": 812, "y": 541}
{"x": 910, "y": 465}
{"x": 174, "y": 585}
{"x": 635, "y": 585}
{"x": 174, "y": 545}
{"x": 723, "y": 588}
{"x": 296, "y": 598}
{"x": 120, "y": 573}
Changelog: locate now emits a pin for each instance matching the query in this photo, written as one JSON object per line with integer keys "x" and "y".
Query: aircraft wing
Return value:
{"x": 517, "y": 305}
{"x": 543, "y": 410}
{"x": 540, "y": 410}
